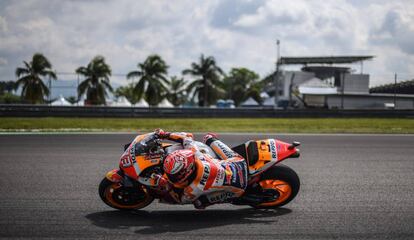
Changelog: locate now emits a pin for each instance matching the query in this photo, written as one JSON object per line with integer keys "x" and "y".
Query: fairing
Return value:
{"x": 135, "y": 160}
{"x": 263, "y": 154}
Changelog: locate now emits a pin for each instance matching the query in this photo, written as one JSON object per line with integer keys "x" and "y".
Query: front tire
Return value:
{"x": 119, "y": 197}
{"x": 282, "y": 179}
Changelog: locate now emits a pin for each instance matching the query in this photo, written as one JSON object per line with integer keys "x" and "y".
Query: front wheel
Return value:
{"x": 284, "y": 180}
{"x": 124, "y": 198}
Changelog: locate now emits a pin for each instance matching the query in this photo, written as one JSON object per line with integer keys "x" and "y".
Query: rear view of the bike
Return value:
{"x": 271, "y": 184}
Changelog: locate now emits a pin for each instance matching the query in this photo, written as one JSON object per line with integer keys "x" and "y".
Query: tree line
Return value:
{"x": 150, "y": 81}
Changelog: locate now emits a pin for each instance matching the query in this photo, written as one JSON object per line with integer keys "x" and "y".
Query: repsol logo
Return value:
{"x": 224, "y": 149}
{"x": 273, "y": 149}
{"x": 205, "y": 175}
{"x": 132, "y": 153}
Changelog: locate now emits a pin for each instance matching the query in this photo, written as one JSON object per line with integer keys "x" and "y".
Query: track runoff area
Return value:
{"x": 352, "y": 186}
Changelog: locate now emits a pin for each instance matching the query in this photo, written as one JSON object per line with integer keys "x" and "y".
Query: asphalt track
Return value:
{"x": 353, "y": 186}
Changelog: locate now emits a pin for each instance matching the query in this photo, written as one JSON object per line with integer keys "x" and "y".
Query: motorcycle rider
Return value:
{"x": 203, "y": 179}
{"x": 200, "y": 178}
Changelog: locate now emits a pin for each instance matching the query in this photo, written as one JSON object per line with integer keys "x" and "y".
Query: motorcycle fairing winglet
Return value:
{"x": 114, "y": 176}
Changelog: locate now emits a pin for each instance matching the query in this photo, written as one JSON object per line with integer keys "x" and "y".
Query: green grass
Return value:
{"x": 263, "y": 125}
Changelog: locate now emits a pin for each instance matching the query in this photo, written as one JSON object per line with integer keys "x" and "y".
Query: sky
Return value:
{"x": 237, "y": 33}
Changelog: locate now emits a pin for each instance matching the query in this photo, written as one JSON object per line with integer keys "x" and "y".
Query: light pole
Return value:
{"x": 343, "y": 90}
{"x": 395, "y": 90}
{"x": 50, "y": 91}
{"x": 276, "y": 75}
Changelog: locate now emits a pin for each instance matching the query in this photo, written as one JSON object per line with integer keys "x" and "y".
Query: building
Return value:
{"x": 324, "y": 82}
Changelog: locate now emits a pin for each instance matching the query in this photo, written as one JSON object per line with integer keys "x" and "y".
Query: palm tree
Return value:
{"x": 34, "y": 89}
{"x": 7, "y": 87}
{"x": 96, "y": 81}
{"x": 242, "y": 83}
{"x": 152, "y": 75}
{"x": 177, "y": 93}
{"x": 207, "y": 86}
{"x": 127, "y": 92}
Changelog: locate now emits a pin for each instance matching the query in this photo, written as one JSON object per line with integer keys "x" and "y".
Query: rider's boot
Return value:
{"x": 256, "y": 194}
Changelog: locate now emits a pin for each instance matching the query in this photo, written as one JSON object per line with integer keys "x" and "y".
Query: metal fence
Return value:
{"x": 154, "y": 112}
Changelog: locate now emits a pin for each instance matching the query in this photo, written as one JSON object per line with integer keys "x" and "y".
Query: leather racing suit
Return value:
{"x": 215, "y": 180}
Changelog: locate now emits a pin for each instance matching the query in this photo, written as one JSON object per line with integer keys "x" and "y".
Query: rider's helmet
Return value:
{"x": 179, "y": 165}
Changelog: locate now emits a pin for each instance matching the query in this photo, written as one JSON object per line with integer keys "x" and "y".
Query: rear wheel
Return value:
{"x": 284, "y": 180}
{"x": 124, "y": 198}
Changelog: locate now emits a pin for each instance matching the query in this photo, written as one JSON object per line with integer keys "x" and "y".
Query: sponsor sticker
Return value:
{"x": 272, "y": 148}
{"x": 126, "y": 161}
{"x": 220, "y": 176}
{"x": 219, "y": 197}
{"x": 241, "y": 174}
{"x": 206, "y": 173}
{"x": 227, "y": 152}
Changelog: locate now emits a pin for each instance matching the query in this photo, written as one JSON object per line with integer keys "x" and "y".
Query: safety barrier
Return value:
{"x": 134, "y": 112}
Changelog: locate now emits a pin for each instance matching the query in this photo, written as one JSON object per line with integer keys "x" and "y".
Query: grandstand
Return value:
{"x": 405, "y": 87}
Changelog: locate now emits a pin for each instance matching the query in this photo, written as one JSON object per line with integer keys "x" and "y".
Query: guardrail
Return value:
{"x": 134, "y": 112}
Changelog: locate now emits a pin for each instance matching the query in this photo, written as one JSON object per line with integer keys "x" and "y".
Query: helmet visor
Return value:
{"x": 181, "y": 176}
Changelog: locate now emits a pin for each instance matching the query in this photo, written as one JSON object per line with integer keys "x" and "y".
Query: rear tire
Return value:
{"x": 117, "y": 196}
{"x": 283, "y": 179}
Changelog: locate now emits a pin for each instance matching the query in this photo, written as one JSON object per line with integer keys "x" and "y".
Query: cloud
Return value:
{"x": 3, "y": 61}
{"x": 228, "y": 11}
{"x": 3, "y": 25}
{"x": 395, "y": 31}
{"x": 237, "y": 33}
{"x": 274, "y": 13}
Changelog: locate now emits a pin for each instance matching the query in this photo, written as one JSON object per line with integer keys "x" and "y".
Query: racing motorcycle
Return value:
{"x": 270, "y": 184}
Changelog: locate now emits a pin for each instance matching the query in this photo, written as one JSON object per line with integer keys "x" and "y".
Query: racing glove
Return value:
{"x": 161, "y": 133}
{"x": 210, "y": 137}
{"x": 163, "y": 183}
